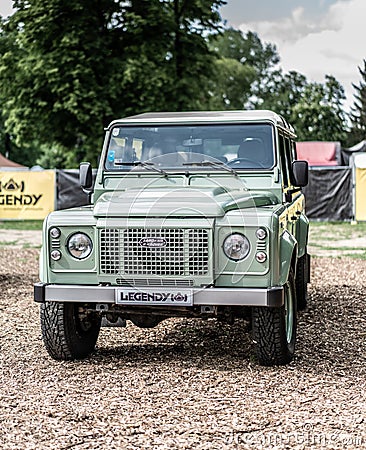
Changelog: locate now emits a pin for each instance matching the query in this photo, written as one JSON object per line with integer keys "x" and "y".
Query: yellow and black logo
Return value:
{"x": 12, "y": 194}
{"x": 12, "y": 185}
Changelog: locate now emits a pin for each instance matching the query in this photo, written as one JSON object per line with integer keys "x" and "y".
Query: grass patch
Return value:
{"x": 27, "y": 245}
{"x": 6, "y": 243}
{"x": 21, "y": 225}
{"x": 338, "y": 238}
{"x": 340, "y": 230}
{"x": 342, "y": 249}
{"x": 357, "y": 256}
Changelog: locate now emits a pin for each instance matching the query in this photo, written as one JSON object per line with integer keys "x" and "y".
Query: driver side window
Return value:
{"x": 283, "y": 159}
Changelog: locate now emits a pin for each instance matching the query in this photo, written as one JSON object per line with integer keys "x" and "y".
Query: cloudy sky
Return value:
{"x": 314, "y": 37}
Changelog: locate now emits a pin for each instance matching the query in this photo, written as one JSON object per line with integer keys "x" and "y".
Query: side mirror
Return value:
{"x": 85, "y": 175}
{"x": 300, "y": 173}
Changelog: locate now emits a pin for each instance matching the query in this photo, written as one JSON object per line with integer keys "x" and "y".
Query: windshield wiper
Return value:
{"x": 220, "y": 165}
{"x": 145, "y": 164}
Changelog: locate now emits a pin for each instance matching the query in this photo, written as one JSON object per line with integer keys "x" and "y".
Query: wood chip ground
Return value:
{"x": 186, "y": 384}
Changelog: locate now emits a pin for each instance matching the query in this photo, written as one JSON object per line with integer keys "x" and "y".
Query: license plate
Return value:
{"x": 171, "y": 297}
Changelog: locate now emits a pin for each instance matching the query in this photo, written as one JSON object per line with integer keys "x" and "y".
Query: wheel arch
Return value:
{"x": 302, "y": 234}
{"x": 288, "y": 256}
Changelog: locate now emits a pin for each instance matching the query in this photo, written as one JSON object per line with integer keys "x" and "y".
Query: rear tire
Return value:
{"x": 67, "y": 332}
{"x": 274, "y": 329}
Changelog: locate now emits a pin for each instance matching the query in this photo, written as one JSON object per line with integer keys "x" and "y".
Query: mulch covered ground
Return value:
{"x": 186, "y": 384}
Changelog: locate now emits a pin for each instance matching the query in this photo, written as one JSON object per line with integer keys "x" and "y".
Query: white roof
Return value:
{"x": 165, "y": 118}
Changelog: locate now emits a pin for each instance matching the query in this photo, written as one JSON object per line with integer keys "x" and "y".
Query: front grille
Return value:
{"x": 109, "y": 251}
{"x": 198, "y": 252}
{"x": 178, "y": 252}
{"x": 168, "y": 260}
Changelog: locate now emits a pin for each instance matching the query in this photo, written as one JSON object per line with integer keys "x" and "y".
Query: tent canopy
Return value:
{"x": 360, "y": 147}
{"x": 319, "y": 153}
{"x": 5, "y": 162}
{"x": 348, "y": 152}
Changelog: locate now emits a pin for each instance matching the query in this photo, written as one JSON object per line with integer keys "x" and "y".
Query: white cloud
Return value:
{"x": 290, "y": 29}
{"x": 334, "y": 45}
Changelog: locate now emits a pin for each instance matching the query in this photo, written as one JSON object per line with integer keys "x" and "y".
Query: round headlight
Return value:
{"x": 79, "y": 245}
{"x": 236, "y": 246}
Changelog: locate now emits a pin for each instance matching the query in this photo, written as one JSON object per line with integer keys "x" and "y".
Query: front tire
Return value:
{"x": 274, "y": 329}
{"x": 68, "y": 332}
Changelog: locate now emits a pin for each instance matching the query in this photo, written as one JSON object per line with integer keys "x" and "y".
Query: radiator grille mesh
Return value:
{"x": 177, "y": 252}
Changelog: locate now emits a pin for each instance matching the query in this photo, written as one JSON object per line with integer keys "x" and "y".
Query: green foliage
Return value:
{"x": 314, "y": 109}
{"x": 247, "y": 49}
{"x": 58, "y": 54}
{"x": 243, "y": 65}
{"x": 68, "y": 67}
{"x": 230, "y": 84}
{"x": 319, "y": 114}
{"x": 282, "y": 92}
{"x": 247, "y": 76}
{"x": 168, "y": 62}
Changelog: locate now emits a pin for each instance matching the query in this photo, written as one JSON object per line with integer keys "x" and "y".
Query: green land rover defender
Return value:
{"x": 195, "y": 214}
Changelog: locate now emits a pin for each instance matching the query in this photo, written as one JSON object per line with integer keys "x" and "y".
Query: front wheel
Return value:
{"x": 274, "y": 329}
{"x": 69, "y": 332}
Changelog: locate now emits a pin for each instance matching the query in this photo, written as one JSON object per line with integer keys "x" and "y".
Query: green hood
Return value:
{"x": 178, "y": 202}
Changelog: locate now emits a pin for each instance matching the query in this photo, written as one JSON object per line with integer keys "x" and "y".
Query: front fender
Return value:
{"x": 302, "y": 234}
{"x": 288, "y": 251}
{"x": 43, "y": 262}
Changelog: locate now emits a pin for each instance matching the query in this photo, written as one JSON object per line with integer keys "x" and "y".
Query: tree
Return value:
{"x": 247, "y": 49}
{"x": 59, "y": 50}
{"x": 282, "y": 92}
{"x": 230, "y": 85}
{"x": 243, "y": 65}
{"x": 168, "y": 59}
{"x": 358, "y": 110}
{"x": 319, "y": 115}
{"x": 71, "y": 66}
{"x": 314, "y": 109}
{"x": 6, "y": 143}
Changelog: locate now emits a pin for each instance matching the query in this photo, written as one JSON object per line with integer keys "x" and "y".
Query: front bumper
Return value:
{"x": 272, "y": 297}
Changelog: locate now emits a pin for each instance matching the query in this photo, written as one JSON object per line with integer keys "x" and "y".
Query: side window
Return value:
{"x": 282, "y": 150}
{"x": 289, "y": 158}
{"x": 294, "y": 151}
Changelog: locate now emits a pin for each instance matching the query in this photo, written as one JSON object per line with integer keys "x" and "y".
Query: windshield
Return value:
{"x": 243, "y": 146}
